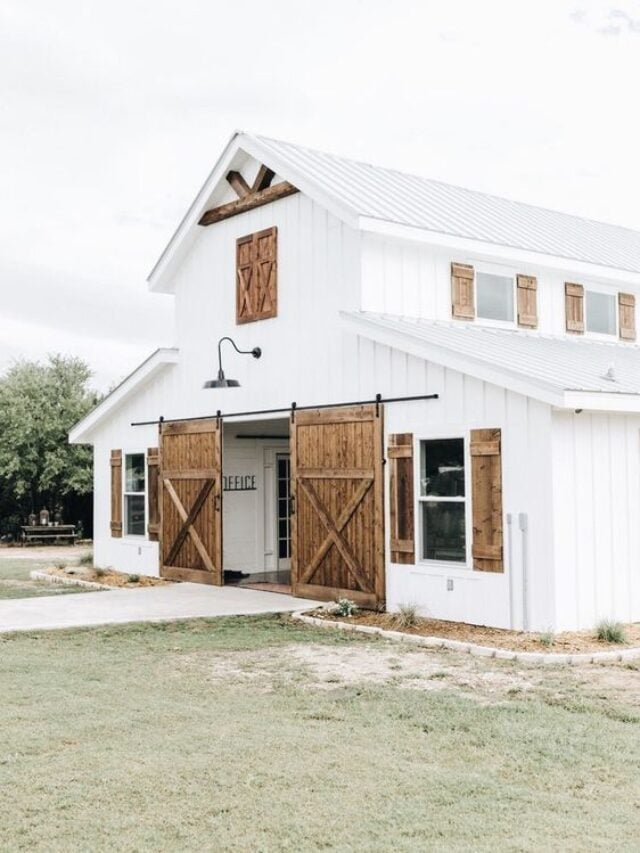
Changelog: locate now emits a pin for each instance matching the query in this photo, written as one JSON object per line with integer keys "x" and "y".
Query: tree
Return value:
{"x": 39, "y": 403}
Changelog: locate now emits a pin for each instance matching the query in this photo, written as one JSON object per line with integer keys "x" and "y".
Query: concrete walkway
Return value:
{"x": 148, "y": 604}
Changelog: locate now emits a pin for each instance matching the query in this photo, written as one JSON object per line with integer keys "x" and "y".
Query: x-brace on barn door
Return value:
{"x": 191, "y": 501}
{"x": 338, "y": 520}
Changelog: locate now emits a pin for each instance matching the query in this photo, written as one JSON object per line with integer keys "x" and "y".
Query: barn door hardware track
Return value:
{"x": 291, "y": 409}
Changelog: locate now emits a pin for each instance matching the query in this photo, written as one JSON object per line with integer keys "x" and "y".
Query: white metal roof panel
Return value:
{"x": 561, "y": 363}
{"x": 411, "y": 200}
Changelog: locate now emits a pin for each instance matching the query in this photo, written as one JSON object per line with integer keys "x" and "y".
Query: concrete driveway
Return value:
{"x": 148, "y": 604}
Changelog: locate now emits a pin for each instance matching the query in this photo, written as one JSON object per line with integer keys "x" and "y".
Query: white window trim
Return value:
{"x": 608, "y": 291}
{"x": 503, "y": 272}
{"x": 134, "y": 537}
{"x": 448, "y": 565}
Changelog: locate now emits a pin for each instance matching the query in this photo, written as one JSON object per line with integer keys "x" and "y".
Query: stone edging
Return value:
{"x": 37, "y": 575}
{"x": 472, "y": 648}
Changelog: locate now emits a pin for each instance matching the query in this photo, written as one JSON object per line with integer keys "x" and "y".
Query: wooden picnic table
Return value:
{"x": 39, "y": 533}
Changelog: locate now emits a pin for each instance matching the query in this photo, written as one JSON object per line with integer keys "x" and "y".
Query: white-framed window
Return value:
{"x": 134, "y": 494}
{"x": 495, "y": 296}
{"x": 600, "y": 312}
{"x": 442, "y": 500}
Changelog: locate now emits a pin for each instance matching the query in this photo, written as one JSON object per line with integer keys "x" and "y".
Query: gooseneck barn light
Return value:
{"x": 222, "y": 381}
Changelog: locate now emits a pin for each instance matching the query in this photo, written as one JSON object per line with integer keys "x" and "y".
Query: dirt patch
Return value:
{"x": 570, "y": 641}
{"x": 108, "y": 577}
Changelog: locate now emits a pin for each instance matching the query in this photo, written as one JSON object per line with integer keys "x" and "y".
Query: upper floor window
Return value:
{"x": 600, "y": 313}
{"x": 494, "y": 296}
{"x": 257, "y": 276}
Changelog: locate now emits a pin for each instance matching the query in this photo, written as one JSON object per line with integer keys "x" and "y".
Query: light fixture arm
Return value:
{"x": 256, "y": 352}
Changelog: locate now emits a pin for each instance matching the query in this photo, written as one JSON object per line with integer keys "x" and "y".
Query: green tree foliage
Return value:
{"x": 39, "y": 403}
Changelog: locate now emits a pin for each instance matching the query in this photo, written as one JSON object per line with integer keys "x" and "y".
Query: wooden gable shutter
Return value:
{"x": 257, "y": 276}
{"x": 153, "y": 496}
{"x": 462, "y": 301}
{"x": 574, "y": 307}
{"x": 486, "y": 500}
{"x": 527, "y": 287}
{"x": 400, "y": 454}
{"x": 116, "y": 493}
{"x": 627, "y": 316}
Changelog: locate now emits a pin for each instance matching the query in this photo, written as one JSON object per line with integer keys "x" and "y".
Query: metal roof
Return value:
{"x": 562, "y": 364}
{"x": 396, "y": 197}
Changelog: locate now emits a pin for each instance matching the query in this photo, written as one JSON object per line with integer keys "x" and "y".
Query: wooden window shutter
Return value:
{"x": 400, "y": 453}
{"x": 627, "y": 316}
{"x": 257, "y": 276}
{"x": 486, "y": 500}
{"x": 527, "y": 287}
{"x": 153, "y": 496}
{"x": 116, "y": 493}
{"x": 574, "y": 307}
{"x": 462, "y": 301}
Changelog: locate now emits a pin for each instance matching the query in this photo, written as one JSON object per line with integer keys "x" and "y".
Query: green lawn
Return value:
{"x": 16, "y": 583}
{"x": 256, "y": 734}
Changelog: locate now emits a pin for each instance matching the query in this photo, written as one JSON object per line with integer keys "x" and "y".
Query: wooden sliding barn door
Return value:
{"x": 338, "y": 518}
{"x": 191, "y": 501}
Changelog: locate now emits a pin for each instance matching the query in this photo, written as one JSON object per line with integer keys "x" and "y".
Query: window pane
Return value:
{"x": 134, "y": 476}
{"x": 601, "y": 313}
{"x": 443, "y": 531}
{"x": 442, "y": 468}
{"x": 494, "y": 296}
{"x": 134, "y": 508}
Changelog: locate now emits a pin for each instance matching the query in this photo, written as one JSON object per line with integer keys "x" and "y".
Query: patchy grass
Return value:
{"x": 263, "y": 734}
{"x": 16, "y": 583}
{"x": 611, "y": 632}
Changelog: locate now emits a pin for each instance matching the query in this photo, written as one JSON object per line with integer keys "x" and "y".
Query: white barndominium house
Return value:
{"x": 443, "y": 407}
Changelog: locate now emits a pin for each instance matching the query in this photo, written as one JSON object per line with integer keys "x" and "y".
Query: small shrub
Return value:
{"x": 60, "y": 564}
{"x": 610, "y": 631}
{"x": 547, "y": 639}
{"x": 86, "y": 559}
{"x": 344, "y": 607}
{"x": 100, "y": 573}
{"x": 133, "y": 579}
{"x": 407, "y": 615}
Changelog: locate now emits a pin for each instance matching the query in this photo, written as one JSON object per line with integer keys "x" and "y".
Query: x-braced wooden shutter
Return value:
{"x": 462, "y": 301}
{"x": 574, "y": 307}
{"x": 257, "y": 276}
{"x": 486, "y": 499}
{"x": 627, "y": 316}
{"x": 116, "y": 493}
{"x": 527, "y": 287}
{"x": 400, "y": 454}
{"x": 153, "y": 495}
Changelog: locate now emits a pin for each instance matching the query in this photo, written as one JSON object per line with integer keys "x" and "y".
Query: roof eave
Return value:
{"x": 497, "y": 250}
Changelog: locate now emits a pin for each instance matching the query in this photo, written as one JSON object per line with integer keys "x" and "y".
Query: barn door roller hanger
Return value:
{"x": 293, "y": 408}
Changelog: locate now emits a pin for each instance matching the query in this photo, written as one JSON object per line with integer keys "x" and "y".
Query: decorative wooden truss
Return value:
{"x": 259, "y": 193}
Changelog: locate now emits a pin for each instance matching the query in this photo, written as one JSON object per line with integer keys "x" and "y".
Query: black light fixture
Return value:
{"x": 222, "y": 381}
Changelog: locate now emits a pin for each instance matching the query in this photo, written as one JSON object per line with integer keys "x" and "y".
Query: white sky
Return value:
{"x": 112, "y": 114}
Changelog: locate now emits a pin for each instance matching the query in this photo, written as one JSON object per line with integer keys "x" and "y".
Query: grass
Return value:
{"x": 16, "y": 583}
{"x": 611, "y": 632}
{"x": 127, "y": 739}
{"x": 407, "y": 615}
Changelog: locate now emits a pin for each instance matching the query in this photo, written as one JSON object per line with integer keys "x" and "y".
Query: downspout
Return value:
{"x": 523, "y": 524}
{"x": 510, "y": 566}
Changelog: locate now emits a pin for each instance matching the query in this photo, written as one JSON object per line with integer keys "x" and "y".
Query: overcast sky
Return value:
{"x": 113, "y": 113}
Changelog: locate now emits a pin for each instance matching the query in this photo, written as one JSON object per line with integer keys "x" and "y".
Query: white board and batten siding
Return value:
{"x": 596, "y": 490}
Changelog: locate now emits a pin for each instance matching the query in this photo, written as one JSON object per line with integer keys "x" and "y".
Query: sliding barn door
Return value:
{"x": 338, "y": 519}
{"x": 191, "y": 501}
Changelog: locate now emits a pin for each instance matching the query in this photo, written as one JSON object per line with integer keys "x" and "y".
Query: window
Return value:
{"x": 134, "y": 494}
{"x": 601, "y": 312}
{"x": 494, "y": 297}
{"x": 442, "y": 500}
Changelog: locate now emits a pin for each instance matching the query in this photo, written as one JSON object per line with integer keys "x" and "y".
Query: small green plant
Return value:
{"x": 407, "y": 615}
{"x": 547, "y": 639}
{"x": 133, "y": 578}
{"x": 86, "y": 559}
{"x": 610, "y": 631}
{"x": 60, "y": 564}
{"x": 344, "y": 607}
{"x": 100, "y": 572}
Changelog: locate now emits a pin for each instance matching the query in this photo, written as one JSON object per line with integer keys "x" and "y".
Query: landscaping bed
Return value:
{"x": 103, "y": 577}
{"x": 567, "y": 642}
